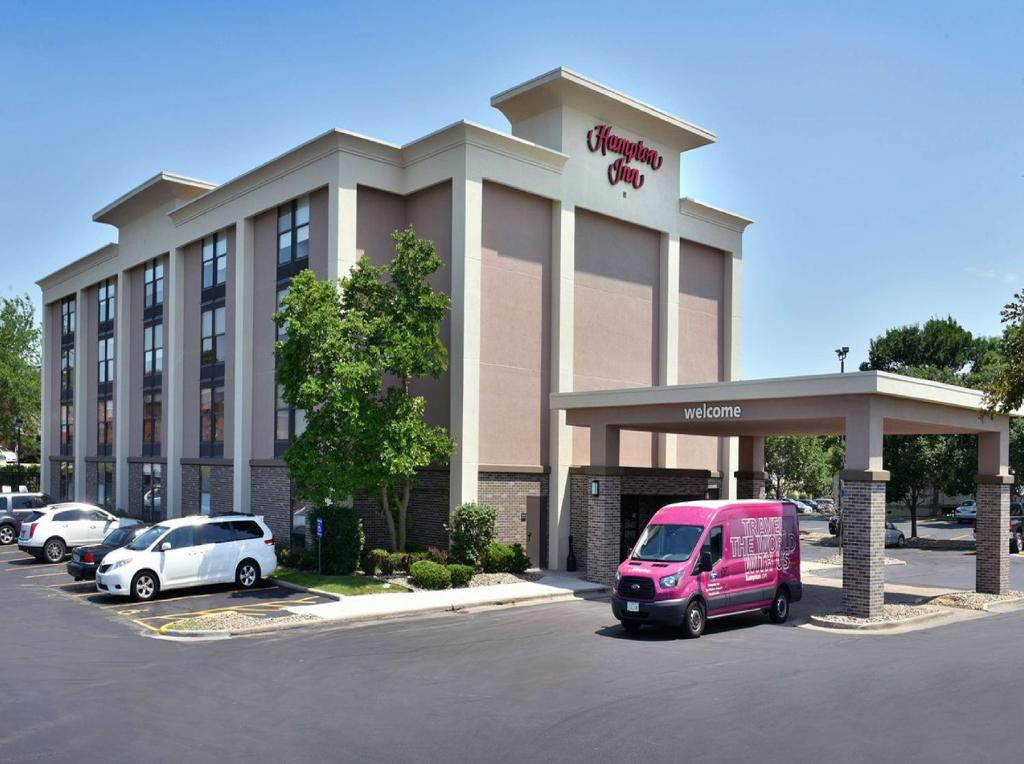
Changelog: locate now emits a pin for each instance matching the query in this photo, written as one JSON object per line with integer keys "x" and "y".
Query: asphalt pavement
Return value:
{"x": 558, "y": 683}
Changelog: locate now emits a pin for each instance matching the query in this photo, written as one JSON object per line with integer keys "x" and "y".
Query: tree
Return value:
{"x": 20, "y": 384}
{"x": 1004, "y": 389}
{"x": 348, "y": 360}
{"x": 799, "y": 463}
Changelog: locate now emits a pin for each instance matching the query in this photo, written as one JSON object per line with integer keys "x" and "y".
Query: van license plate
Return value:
{"x": 632, "y": 607}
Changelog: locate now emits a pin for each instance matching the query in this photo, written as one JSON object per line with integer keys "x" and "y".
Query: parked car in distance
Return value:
{"x": 893, "y": 535}
{"x": 190, "y": 551}
{"x": 825, "y": 506}
{"x": 86, "y": 559}
{"x": 811, "y": 503}
{"x": 1016, "y": 527}
{"x": 49, "y": 532}
{"x": 15, "y": 507}
{"x": 8, "y": 457}
{"x": 697, "y": 560}
{"x": 966, "y": 512}
{"x": 798, "y": 506}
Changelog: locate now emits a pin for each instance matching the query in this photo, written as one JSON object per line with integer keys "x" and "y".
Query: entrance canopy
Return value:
{"x": 863, "y": 406}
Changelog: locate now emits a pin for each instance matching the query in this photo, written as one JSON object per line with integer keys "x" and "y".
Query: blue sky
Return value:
{"x": 879, "y": 146}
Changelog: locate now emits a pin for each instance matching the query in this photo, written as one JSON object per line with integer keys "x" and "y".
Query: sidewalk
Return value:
{"x": 553, "y": 586}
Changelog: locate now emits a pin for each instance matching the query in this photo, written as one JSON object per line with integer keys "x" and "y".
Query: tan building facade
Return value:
{"x": 572, "y": 263}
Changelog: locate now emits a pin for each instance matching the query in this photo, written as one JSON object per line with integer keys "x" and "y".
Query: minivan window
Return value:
{"x": 180, "y": 538}
{"x": 215, "y": 533}
{"x": 247, "y": 529}
{"x": 667, "y": 543}
{"x": 145, "y": 541}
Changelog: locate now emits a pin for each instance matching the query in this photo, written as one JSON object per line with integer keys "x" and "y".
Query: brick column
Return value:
{"x": 603, "y": 527}
{"x": 749, "y": 484}
{"x": 863, "y": 547}
{"x": 992, "y": 565}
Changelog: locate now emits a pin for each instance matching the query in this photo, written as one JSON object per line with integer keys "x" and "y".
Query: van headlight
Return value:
{"x": 618, "y": 577}
{"x": 121, "y": 563}
{"x": 670, "y": 582}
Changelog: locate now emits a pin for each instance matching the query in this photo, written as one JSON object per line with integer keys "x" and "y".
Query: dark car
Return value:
{"x": 85, "y": 559}
{"x": 14, "y": 508}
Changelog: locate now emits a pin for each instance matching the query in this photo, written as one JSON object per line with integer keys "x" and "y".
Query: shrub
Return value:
{"x": 376, "y": 561}
{"x": 430, "y": 575}
{"x": 398, "y": 562}
{"x": 461, "y": 574}
{"x": 471, "y": 530}
{"x": 502, "y": 558}
{"x": 295, "y": 557}
{"x": 438, "y": 555}
{"x": 342, "y": 543}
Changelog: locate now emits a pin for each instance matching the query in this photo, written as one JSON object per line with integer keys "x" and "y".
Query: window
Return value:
{"x": 153, "y": 349}
{"x": 293, "y": 231}
{"x": 216, "y": 533}
{"x": 106, "y": 301}
{"x": 67, "y": 320}
{"x": 152, "y": 487}
{"x": 153, "y": 288}
{"x": 151, "y": 410}
{"x": 69, "y": 516}
{"x": 215, "y": 260}
{"x": 180, "y": 538}
{"x": 105, "y": 360}
{"x": 205, "y": 490}
{"x": 713, "y": 544}
{"x": 213, "y": 328}
{"x": 104, "y": 490}
{"x": 247, "y": 529}
{"x": 105, "y": 426}
{"x": 67, "y": 370}
{"x": 28, "y": 502}
{"x": 67, "y": 481}
{"x": 67, "y": 429}
{"x": 211, "y": 421}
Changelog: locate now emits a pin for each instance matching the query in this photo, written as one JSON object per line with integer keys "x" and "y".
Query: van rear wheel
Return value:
{"x": 694, "y": 620}
{"x": 248, "y": 574}
{"x": 780, "y": 607}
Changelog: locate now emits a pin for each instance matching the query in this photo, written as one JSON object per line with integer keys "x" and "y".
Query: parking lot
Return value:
{"x": 267, "y": 601}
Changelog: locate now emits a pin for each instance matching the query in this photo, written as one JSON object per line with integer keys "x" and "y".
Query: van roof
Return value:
{"x": 702, "y": 510}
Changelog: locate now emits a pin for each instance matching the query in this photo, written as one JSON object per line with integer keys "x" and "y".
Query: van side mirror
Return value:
{"x": 165, "y": 547}
{"x": 705, "y": 564}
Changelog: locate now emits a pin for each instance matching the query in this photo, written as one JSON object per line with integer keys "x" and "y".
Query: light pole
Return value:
{"x": 842, "y": 353}
{"x": 18, "y": 424}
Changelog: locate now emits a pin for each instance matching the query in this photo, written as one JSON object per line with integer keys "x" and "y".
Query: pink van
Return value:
{"x": 707, "y": 559}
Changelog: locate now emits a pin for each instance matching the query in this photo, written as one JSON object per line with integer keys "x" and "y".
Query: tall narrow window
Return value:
{"x": 105, "y": 485}
{"x": 292, "y": 258}
{"x": 211, "y": 421}
{"x": 67, "y": 429}
{"x": 67, "y": 481}
{"x": 205, "y": 490}
{"x": 106, "y": 300}
{"x": 213, "y": 328}
{"x": 67, "y": 376}
{"x": 215, "y": 260}
{"x": 153, "y": 284}
{"x": 105, "y": 360}
{"x": 67, "y": 319}
{"x": 105, "y": 426}
{"x": 153, "y": 349}
{"x": 152, "y": 490}
{"x": 152, "y": 356}
{"x": 151, "y": 418}
{"x": 213, "y": 349}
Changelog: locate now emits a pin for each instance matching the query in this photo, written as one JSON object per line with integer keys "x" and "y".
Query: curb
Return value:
{"x": 882, "y": 626}
{"x": 298, "y": 588}
{"x": 271, "y": 627}
{"x": 1004, "y": 606}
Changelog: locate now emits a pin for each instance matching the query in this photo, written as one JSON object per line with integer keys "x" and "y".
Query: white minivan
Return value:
{"x": 190, "y": 551}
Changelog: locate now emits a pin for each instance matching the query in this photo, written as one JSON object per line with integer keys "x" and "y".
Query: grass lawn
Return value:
{"x": 348, "y": 585}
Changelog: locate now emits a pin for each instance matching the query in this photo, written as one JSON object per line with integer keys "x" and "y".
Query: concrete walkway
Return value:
{"x": 554, "y": 586}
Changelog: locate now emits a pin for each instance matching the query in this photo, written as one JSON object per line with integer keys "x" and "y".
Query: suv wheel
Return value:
{"x": 54, "y": 550}
{"x": 144, "y": 586}
{"x": 247, "y": 575}
{"x": 7, "y": 534}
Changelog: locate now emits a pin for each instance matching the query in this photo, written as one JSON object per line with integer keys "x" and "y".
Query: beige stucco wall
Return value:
{"x": 378, "y": 214}
{"x": 615, "y": 341}
{"x": 515, "y": 320}
{"x": 701, "y": 337}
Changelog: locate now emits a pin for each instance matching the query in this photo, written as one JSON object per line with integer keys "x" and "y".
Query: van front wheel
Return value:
{"x": 693, "y": 620}
{"x": 780, "y": 607}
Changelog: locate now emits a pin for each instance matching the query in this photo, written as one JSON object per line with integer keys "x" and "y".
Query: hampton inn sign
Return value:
{"x": 601, "y": 138}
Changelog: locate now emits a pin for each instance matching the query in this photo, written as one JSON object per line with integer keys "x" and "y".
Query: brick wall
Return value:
{"x": 992, "y": 565}
{"x": 864, "y": 548}
{"x": 604, "y": 523}
{"x": 271, "y": 497}
{"x": 514, "y": 495}
{"x": 750, "y": 488}
{"x": 428, "y": 513}
{"x": 221, "y": 488}
{"x": 91, "y": 483}
{"x": 579, "y": 492}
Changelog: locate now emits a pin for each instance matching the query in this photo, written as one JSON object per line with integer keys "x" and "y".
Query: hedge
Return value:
{"x": 430, "y": 575}
{"x": 471, "y": 530}
{"x": 502, "y": 558}
{"x": 461, "y": 575}
{"x": 342, "y": 543}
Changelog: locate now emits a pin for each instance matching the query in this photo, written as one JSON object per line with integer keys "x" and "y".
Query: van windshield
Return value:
{"x": 144, "y": 541}
{"x": 667, "y": 543}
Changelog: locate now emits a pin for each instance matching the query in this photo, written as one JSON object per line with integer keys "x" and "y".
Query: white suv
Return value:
{"x": 51, "y": 531}
{"x": 190, "y": 551}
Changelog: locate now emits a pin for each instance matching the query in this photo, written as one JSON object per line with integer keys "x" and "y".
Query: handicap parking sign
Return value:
{"x": 319, "y": 527}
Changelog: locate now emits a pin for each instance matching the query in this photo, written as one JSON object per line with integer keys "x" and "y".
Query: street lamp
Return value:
{"x": 842, "y": 353}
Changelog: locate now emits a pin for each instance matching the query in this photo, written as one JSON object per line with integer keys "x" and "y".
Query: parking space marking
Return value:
{"x": 255, "y": 609}
{"x": 33, "y": 566}
{"x": 47, "y": 575}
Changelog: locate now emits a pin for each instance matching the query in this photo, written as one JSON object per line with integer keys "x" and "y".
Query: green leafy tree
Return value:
{"x": 799, "y": 463}
{"x": 348, "y": 360}
{"x": 1004, "y": 388}
{"x": 20, "y": 384}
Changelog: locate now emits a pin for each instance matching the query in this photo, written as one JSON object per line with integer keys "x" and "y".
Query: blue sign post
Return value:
{"x": 319, "y": 539}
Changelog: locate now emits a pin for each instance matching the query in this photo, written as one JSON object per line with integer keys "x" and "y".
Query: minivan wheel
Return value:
{"x": 7, "y": 534}
{"x": 144, "y": 586}
{"x": 780, "y": 607}
{"x": 248, "y": 574}
{"x": 54, "y": 550}
{"x": 693, "y": 620}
